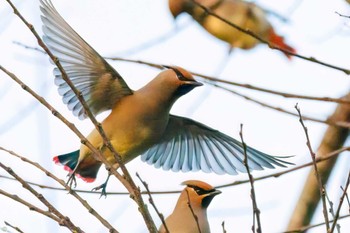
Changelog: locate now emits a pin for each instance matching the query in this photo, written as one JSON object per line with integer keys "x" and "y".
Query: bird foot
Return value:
{"x": 103, "y": 191}
{"x": 71, "y": 180}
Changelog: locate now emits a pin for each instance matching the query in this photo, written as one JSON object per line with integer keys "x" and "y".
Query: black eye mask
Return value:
{"x": 179, "y": 75}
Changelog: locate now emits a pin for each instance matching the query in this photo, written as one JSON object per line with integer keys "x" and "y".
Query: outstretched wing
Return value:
{"x": 188, "y": 145}
{"x": 100, "y": 85}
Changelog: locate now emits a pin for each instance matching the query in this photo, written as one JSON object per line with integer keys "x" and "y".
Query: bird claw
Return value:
{"x": 71, "y": 180}
{"x": 103, "y": 191}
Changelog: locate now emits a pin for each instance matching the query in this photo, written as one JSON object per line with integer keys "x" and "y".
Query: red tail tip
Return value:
{"x": 56, "y": 160}
{"x": 86, "y": 179}
{"x": 278, "y": 41}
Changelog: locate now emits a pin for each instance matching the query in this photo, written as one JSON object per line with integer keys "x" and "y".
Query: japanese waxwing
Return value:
{"x": 139, "y": 123}
{"x": 246, "y": 15}
{"x": 196, "y": 196}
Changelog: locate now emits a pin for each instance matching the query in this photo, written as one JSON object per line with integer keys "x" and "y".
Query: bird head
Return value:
{"x": 177, "y": 7}
{"x": 180, "y": 80}
{"x": 199, "y": 192}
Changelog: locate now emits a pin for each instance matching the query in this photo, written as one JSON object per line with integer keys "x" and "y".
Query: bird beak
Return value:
{"x": 214, "y": 193}
{"x": 193, "y": 83}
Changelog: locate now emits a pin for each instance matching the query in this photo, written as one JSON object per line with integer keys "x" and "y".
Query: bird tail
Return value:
{"x": 87, "y": 170}
{"x": 278, "y": 41}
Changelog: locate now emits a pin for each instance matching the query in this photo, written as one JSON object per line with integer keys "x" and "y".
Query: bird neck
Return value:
{"x": 157, "y": 96}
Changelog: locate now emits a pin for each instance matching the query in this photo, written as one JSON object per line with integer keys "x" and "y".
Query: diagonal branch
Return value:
{"x": 340, "y": 204}
{"x": 256, "y": 211}
{"x": 333, "y": 139}
{"x": 237, "y": 182}
{"x": 72, "y": 192}
{"x": 30, "y": 206}
{"x": 63, "y": 220}
{"x": 127, "y": 181}
{"x": 252, "y": 34}
{"x": 317, "y": 174}
{"x": 192, "y": 211}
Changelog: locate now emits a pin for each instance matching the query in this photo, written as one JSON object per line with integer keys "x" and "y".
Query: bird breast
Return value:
{"x": 132, "y": 127}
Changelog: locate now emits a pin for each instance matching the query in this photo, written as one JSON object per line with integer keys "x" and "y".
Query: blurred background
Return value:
{"x": 126, "y": 29}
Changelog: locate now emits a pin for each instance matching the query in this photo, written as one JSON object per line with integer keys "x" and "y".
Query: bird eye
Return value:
{"x": 179, "y": 75}
{"x": 200, "y": 191}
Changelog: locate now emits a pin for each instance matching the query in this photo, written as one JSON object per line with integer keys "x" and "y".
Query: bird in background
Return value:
{"x": 196, "y": 196}
{"x": 246, "y": 15}
{"x": 140, "y": 122}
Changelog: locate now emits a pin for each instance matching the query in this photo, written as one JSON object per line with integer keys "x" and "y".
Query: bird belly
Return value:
{"x": 129, "y": 138}
{"x": 244, "y": 16}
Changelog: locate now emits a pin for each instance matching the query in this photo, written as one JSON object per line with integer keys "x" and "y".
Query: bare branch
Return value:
{"x": 340, "y": 204}
{"x": 305, "y": 228}
{"x": 63, "y": 220}
{"x": 256, "y": 211}
{"x": 341, "y": 15}
{"x": 193, "y": 213}
{"x": 333, "y": 139}
{"x": 127, "y": 181}
{"x": 214, "y": 80}
{"x": 90, "y": 209}
{"x": 327, "y": 121}
{"x": 14, "y": 227}
{"x": 249, "y": 32}
{"x": 160, "y": 215}
{"x": 331, "y": 209}
{"x": 30, "y": 206}
{"x": 347, "y": 197}
{"x": 223, "y": 227}
{"x": 319, "y": 180}
{"x": 238, "y": 182}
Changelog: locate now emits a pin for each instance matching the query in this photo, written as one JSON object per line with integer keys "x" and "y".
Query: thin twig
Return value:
{"x": 126, "y": 180}
{"x": 90, "y": 209}
{"x": 305, "y": 228}
{"x": 247, "y": 86}
{"x": 217, "y": 80}
{"x": 347, "y": 198}
{"x": 272, "y": 46}
{"x": 278, "y": 174}
{"x": 238, "y": 182}
{"x": 340, "y": 204}
{"x": 319, "y": 180}
{"x": 223, "y": 227}
{"x": 160, "y": 215}
{"x": 63, "y": 220}
{"x": 327, "y": 121}
{"x": 30, "y": 206}
{"x": 193, "y": 213}
{"x": 256, "y": 211}
{"x": 331, "y": 209}
{"x": 13, "y": 227}
{"x": 341, "y": 15}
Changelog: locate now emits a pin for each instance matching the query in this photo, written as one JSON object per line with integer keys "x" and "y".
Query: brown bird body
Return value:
{"x": 244, "y": 14}
{"x": 190, "y": 212}
{"x": 139, "y": 122}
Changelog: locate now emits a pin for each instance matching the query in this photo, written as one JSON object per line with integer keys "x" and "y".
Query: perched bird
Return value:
{"x": 190, "y": 212}
{"x": 246, "y": 15}
{"x": 139, "y": 123}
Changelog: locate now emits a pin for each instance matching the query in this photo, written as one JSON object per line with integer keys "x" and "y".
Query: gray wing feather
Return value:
{"x": 188, "y": 145}
{"x": 87, "y": 70}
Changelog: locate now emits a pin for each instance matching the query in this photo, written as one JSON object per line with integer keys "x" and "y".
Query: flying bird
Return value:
{"x": 190, "y": 212}
{"x": 245, "y": 15}
{"x": 140, "y": 122}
